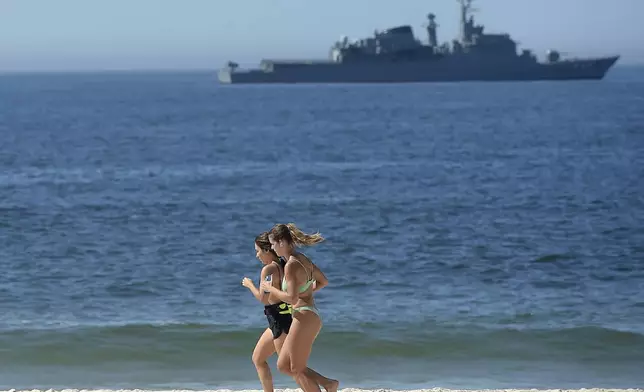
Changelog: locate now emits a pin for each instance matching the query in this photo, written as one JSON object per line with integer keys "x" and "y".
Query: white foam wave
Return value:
{"x": 341, "y": 390}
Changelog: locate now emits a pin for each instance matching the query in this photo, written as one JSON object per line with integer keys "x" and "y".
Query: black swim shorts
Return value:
{"x": 279, "y": 318}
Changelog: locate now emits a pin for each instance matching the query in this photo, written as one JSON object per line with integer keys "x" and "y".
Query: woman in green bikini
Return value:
{"x": 301, "y": 279}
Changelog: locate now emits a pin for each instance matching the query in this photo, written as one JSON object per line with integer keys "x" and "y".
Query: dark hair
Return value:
{"x": 264, "y": 244}
{"x": 291, "y": 234}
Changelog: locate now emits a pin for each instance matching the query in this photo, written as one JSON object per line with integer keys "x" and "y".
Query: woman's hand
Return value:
{"x": 266, "y": 286}
{"x": 246, "y": 282}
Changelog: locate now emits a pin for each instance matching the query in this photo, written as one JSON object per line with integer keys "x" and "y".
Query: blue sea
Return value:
{"x": 479, "y": 235}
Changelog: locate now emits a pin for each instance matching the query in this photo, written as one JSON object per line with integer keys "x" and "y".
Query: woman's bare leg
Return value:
{"x": 297, "y": 349}
{"x": 264, "y": 349}
{"x": 329, "y": 384}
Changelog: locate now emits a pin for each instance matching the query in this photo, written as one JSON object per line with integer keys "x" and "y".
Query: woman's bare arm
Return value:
{"x": 260, "y": 295}
{"x": 320, "y": 279}
{"x": 290, "y": 296}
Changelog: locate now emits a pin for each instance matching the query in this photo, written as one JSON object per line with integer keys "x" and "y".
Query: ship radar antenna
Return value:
{"x": 466, "y": 6}
{"x": 431, "y": 27}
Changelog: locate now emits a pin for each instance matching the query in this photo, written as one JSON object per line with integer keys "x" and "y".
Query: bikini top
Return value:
{"x": 306, "y": 285}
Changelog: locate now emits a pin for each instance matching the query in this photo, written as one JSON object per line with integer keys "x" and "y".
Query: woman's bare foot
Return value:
{"x": 331, "y": 386}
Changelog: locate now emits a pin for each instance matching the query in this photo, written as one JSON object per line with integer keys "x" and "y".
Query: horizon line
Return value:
{"x": 172, "y": 70}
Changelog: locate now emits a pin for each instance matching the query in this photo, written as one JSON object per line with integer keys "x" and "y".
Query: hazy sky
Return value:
{"x": 163, "y": 34}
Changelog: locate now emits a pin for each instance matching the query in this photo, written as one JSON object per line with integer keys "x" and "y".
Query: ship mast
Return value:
{"x": 466, "y": 31}
{"x": 431, "y": 30}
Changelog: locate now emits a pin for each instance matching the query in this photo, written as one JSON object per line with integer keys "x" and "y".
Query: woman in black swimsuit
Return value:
{"x": 278, "y": 315}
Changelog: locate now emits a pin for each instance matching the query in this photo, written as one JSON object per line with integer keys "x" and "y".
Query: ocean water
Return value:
{"x": 479, "y": 235}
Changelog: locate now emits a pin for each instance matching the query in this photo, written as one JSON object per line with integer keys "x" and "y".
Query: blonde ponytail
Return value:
{"x": 301, "y": 238}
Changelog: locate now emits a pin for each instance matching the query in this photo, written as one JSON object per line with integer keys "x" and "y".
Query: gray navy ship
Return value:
{"x": 395, "y": 55}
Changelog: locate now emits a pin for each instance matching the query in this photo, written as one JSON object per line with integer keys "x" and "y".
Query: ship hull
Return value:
{"x": 422, "y": 72}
